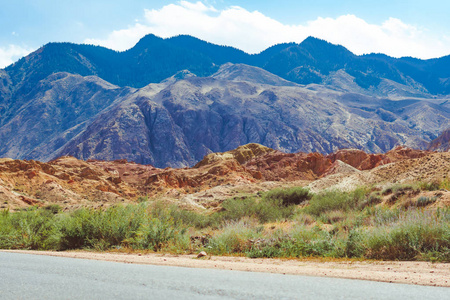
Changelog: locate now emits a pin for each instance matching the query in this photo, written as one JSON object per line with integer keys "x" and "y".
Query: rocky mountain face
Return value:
{"x": 176, "y": 125}
{"x": 52, "y": 113}
{"x": 179, "y": 121}
{"x": 442, "y": 142}
{"x": 95, "y": 103}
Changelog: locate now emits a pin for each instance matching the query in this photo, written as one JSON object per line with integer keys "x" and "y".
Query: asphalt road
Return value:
{"x": 26, "y": 276}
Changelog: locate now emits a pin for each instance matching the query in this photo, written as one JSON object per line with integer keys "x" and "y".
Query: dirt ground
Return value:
{"x": 421, "y": 273}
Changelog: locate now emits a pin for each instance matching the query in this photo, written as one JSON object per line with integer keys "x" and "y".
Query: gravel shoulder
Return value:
{"x": 420, "y": 273}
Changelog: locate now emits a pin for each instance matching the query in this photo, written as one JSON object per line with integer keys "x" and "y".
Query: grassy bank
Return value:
{"x": 279, "y": 223}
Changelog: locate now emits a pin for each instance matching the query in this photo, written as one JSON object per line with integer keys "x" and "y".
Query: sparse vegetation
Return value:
{"x": 278, "y": 223}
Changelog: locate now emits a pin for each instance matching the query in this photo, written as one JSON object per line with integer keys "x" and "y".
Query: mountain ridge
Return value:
{"x": 310, "y": 61}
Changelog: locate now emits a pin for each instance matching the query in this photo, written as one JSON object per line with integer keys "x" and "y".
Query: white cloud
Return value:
{"x": 12, "y": 53}
{"x": 253, "y": 31}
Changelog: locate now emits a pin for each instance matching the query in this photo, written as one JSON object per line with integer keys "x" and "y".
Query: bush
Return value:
{"x": 397, "y": 188}
{"x": 305, "y": 242}
{"x": 89, "y": 228}
{"x": 53, "y": 208}
{"x": 424, "y": 201}
{"x": 274, "y": 205}
{"x": 375, "y": 232}
{"x": 154, "y": 234}
{"x": 335, "y": 200}
{"x": 268, "y": 211}
{"x": 181, "y": 217}
{"x": 234, "y": 237}
{"x": 190, "y": 218}
{"x": 30, "y": 229}
{"x": 444, "y": 184}
{"x": 429, "y": 186}
{"x": 371, "y": 200}
{"x": 332, "y": 217}
{"x": 237, "y": 208}
{"x": 287, "y": 197}
{"x": 413, "y": 235}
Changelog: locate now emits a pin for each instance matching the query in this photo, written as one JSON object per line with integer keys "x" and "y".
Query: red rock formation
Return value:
{"x": 277, "y": 165}
{"x": 401, "y": 153}
{"x": 359, "y": 159}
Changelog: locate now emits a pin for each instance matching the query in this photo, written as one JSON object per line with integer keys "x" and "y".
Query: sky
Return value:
{"x": 397, "y": 28}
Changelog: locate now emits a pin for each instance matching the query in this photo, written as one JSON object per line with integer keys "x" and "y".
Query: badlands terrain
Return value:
{"x": 249, "y": 169}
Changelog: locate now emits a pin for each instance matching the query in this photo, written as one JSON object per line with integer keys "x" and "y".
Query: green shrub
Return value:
{"x": 429, "y": 186}
{"x": 335, "y": 200}
{"x": 287, "y": 197}
{"x": 424, "y": 201}
{"x": 413, "y": 235}
{"x": 383, "y": 215}
{"x": 265, "y": 252}
{"x": 371, "y": 200}
{"x": 234, "y": 237}
{"x": 332, "y": 217}
{"x": 265, "y": 210}
{"x": 89, "y": 228}
{"x": 305, "y": 242}
{"x": 142, "y": 199}
{"x": 280, "y": 204}
{"x": 180, "y": 217}
{"x": 359, "y": 229}
{"x": 29, "y": 229}
{"x": 53, "y": 208}
{"x": 445, "y": 184}
{"x": 190, "y": 218}
{"x": 268, "y": 211}
{"x": 353, "y": 245}
{"x": 397, "y": 188}
{"x": 237, "y": 208}
{"x": 154, "y": 234}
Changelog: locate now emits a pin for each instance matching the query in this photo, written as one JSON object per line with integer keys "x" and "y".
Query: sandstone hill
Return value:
{"x": 71, "y": 183}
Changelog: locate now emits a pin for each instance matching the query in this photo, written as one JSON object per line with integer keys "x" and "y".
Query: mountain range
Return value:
{"x": 170, "y": 102}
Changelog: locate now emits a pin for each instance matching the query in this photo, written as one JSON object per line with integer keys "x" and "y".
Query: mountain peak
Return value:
{"x": 243, "y": 72}
{"x": 146, "y": 42}
{"x": 316, "y": 44}
{"x": 180, "y": 75}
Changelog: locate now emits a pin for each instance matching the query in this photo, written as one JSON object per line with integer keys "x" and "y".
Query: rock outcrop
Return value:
{"x": 359, "y": 159}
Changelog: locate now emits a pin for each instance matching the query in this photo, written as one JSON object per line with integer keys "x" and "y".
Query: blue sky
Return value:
{"x": 397, "y": 28}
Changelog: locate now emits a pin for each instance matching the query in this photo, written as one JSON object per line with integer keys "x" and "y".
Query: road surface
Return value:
{"x": 26, "y": 276}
